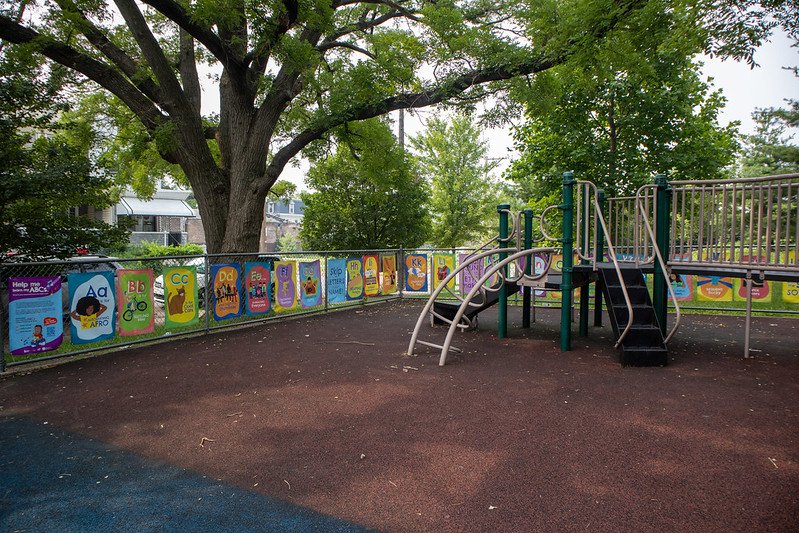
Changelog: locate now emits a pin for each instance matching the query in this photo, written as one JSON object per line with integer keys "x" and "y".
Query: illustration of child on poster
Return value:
{"x": 258, "y": 284}
{"x": 443, "y": 265}
{"x": 92, "y": 300}
{"x": 416, "y": 273}
{"x": 354, "y": 278}
{"x": 135, "y": 302}
{"x": 310, "y": 284}
{"x": 389, "y": 274}
{"x": 226, "y": 287}
{"x": 34, "y": 314}
{"x": 371, "y": 273}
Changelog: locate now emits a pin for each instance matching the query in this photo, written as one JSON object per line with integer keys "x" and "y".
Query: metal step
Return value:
{"x": 644, "y": 356}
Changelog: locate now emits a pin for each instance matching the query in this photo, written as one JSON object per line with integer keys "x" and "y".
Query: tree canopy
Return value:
{"x": 291, "y": 71}
{"x": 772, "y": 149}
{"x": 368, "y": 194}
{"x": 453, "y": 158}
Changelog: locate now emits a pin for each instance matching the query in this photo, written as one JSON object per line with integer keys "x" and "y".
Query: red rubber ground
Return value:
{"x": 328, "y": 412}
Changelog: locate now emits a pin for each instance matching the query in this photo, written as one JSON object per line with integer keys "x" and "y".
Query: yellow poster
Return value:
{"x": 443, "y": 265}
{"x": 714, "y": 289}
{"x": 389, "y": 274}
{"x": 790, "y": 292}
{"x": 761, "y": 292}
{"x": 371, "y": 273}
{"x": 180, "y": 296}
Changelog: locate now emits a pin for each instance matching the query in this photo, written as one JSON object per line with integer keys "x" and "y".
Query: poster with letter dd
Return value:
{"x": 226, "y": 284}
{"x": 34, "y": 314}
{"x": 91, "y": 307}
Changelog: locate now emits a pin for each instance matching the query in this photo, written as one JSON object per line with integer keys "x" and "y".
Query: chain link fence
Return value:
{"x": 64, "y": 308}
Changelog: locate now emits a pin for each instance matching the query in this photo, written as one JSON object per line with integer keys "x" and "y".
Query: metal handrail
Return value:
{"x": 612, "y": 252}
{"x": 445, "y": 348}
{"x": 667, "y": 277}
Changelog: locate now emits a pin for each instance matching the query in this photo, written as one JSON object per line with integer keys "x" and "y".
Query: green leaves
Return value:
{"x": 367, "y": 195}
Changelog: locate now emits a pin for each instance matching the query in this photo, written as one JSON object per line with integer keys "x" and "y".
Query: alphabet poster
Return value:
{"x": 180, "y": 297}
{"x": 34, "y": 314}
{"x": 443, "y": 265}
{"x": 135, "y": 302}
{"x": 371, "y": 275}
{"x": 416, "y": 273}
{"x": 226, "y": 284}
{"x": 310, "y": 284}
{"x": 91, "y": 307}
{"x": 354, "y": 278}
{"x": 285, "y": 286}
{"x": 389, "y": 274}
{"x": 683, "y": 285}
{"x": 713, "y": 288}
{"x": 470, "y": 274}
{"x": 790, "y": 292}
{"x": 761, "y": 292}
{"x": 336, "y": 281}
{"x": 257, "y": 286}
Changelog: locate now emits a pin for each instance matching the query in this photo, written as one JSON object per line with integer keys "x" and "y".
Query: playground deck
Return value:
{"x": 326, "y": 413}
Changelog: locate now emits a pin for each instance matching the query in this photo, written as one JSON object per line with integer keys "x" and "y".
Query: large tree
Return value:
{"x": 292, "y": 70}
{"x": 454, "y": 159}
{"x": 772, "y": 149}
{"x": 367, "y": 194}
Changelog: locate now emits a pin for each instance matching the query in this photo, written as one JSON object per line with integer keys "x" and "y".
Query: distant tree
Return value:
{"x": 453, "y": 159}
{"x": 45, "y": 170}
{"x": 772, "y": 149}
{"x": 640, "y": 109}
{"x": 367, "y": 194}
{"x": 289, "y": 243}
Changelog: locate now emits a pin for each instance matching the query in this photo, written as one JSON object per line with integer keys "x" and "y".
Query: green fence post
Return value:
{"x": 600, "y": 252}
{"x": 502, "y": 322}
{"x": 528, "y": 266}
{"x": 660, "y": 279}
{"x": 568, "y": 260}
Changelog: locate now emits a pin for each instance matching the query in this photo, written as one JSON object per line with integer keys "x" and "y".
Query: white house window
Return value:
{"x": 291, "y": 207}
{"x": 270, "y": 207}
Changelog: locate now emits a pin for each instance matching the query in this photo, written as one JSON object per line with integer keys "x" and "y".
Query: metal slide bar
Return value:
{"x": 486, "y": 276}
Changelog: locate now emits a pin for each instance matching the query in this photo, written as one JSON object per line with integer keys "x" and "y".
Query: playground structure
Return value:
{"x": 746, "y": 228}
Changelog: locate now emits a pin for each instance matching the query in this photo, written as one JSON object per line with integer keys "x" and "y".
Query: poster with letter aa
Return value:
{"x": 257, "y": 286}
{"x": 91, "y": 307}
{"x": 180, "y": 297}
{"x": 354, "y": 278}
{"x": 135, "y": 302}
{"x": 226, "y": 287}
{"x": 416, "y": 273}
{"x": 310, "y": 284}
{"x": 336, "y": 281}
{"x": 34, "y": 314}
{"x": 371, "y": 275}
{"x": 285, "y": 286}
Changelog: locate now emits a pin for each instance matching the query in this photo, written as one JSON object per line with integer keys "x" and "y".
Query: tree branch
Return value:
{"x": 101, "y": 73}
{"x": 177, "y": 14}
{"x": 327, "y": 45}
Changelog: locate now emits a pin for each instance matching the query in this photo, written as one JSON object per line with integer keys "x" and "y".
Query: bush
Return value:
{"x": 150, "y": 249}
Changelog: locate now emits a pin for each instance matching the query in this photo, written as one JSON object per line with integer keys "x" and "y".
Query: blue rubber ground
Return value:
{"x": 53, "y": 480}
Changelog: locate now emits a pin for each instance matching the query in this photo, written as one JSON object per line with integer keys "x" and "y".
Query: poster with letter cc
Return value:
{"x": 180, "y": 297}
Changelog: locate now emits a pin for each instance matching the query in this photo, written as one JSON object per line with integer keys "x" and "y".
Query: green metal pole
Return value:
{"x": 584, "y": 251}
{"x": 600, "y": 252}
{"x": 528, "y": 266}
{"x": 659, "y": 287}
{"x": 502, "y": 323}
{"x": 568, "y": 261}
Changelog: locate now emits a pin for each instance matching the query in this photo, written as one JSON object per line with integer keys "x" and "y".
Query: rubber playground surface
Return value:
{"x": 323, "y": 424}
